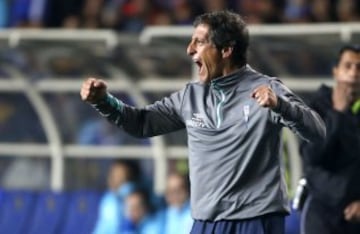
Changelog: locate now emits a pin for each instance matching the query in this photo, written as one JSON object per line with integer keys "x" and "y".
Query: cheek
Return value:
{"x": 342, "y": 75}
{"x": 211, "y": 61}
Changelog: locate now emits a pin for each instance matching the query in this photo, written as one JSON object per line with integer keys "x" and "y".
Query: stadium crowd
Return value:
{"x": 133, "y": 15}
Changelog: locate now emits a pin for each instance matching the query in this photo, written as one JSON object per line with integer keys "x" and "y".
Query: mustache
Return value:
{"x": 349, "y": 83}
{"x": 352, "y": 86}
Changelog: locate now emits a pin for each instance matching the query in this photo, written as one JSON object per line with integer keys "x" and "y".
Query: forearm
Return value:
{"x": 301, "y": 119}
{"x": 110, "y": 108}
{"x": 152, "y": 120}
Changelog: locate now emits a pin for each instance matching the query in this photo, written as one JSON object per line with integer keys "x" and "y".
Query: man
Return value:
{"x": 176, "y": 218}
{"x": 121, "y": 181}
{"x": 233, "y": 116}
{"x": 332, "y": 168}
{"x": 138, "y": 218}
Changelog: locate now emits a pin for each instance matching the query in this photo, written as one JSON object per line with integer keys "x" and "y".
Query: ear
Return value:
{"x": 227, "y": 52}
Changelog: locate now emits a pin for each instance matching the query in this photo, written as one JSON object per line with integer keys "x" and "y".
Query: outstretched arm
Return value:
{"x": 159, "y": 118}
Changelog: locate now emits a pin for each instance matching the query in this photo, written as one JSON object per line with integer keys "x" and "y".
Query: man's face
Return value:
{"x": 176, "y": 192}
{"x": 135, "y": 208}
{"x": 118, "y": 175}
{"x": 348, "y": 69}
{"x": 205, "y": 54}
{"x": 347, "y": 73}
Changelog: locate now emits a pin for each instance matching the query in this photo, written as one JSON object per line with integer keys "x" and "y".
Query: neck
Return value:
{"x": 230, "y": 68}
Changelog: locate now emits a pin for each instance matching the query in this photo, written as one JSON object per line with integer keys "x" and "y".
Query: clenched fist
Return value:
{"x": 93, "y": 90}
{"x": 265, "y": 96}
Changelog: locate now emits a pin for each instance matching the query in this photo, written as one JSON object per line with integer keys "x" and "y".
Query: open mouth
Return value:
{"x": 199, "y": 64}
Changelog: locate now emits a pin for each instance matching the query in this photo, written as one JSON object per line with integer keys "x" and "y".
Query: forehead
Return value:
{"x": 134, "y": 198}
{"x": 119, "y": 168}
{"x": 175, "y": 181}
{"x": 350, "y": 56}
{"x": 201, "y": 31}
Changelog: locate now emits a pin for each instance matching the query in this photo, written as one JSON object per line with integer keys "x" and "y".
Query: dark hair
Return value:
{"x": 132, "y": 166}
{"x": 349, "y": 47}
{"x": 185, "y": 179}
{"x": 227, "y": 29}
{"x": 145, "y": 197}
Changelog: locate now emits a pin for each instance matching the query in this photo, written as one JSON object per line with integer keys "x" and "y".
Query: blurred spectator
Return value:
{"x": 182, "y": 12}
{"x": 348, "y": 10}
{"x": 27, "y": 13}
{"x": 134, "y": 15}
{"x": 162, "y": 17}
{"x": 321, "y": 11}
{"x": 58, "y": 10}
{"x": 332, "y": 167}
{"x": 139, "y": 217}
{"x": 18, "y": 10}
{"x": 27, "y": 173}
{"x": 261, "y": 11}
{"x": 297, "y": 11}
{"x": 37, "y": 13}
{"x": 3, "y": 13}
{"x": 214, "y": 5}
{"x": 176, "y": 218}
{"x": 122, "y": 179}
{"x": 111, "y": 11}
{"x": 89, "y": 17}
{"x": 91, "y": 14}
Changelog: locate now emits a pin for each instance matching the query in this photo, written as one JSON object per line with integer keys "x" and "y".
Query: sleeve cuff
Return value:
{"x": 108, "y": 105}
{"x": 281, "y": 105}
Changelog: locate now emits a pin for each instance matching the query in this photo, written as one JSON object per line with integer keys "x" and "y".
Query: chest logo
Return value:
{"x": 197, "y": 120}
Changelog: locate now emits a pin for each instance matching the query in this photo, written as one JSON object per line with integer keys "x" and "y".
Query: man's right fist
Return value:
{"x": 93, "y": 90}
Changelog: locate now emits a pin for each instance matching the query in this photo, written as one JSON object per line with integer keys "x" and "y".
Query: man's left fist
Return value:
{"x": 265, "y": 96}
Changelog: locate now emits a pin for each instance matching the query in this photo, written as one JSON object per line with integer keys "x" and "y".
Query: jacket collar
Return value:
{"x": 231, "y": 79}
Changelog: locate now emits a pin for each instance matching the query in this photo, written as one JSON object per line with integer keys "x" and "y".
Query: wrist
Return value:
{"x": 108, "y": 105}
{"x": 102, "y": 100}
{"x": 279, "y": 105}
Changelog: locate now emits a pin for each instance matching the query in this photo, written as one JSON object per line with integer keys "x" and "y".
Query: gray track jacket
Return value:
{"x": 234, "y": 144}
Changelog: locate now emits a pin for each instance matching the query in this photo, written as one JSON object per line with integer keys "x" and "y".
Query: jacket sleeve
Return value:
{"x": 293, "y": 113}
{"x": 159, "y": 118}
{"x": 342, "y": 137}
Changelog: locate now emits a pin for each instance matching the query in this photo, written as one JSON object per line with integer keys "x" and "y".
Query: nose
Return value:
{"x": 190, "y": 49}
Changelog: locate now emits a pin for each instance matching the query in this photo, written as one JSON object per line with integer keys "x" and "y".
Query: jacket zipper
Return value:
{"x": 218, "y": 107}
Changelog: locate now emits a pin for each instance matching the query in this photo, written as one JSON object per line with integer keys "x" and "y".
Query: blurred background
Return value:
{"x": 54, "y": 149}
